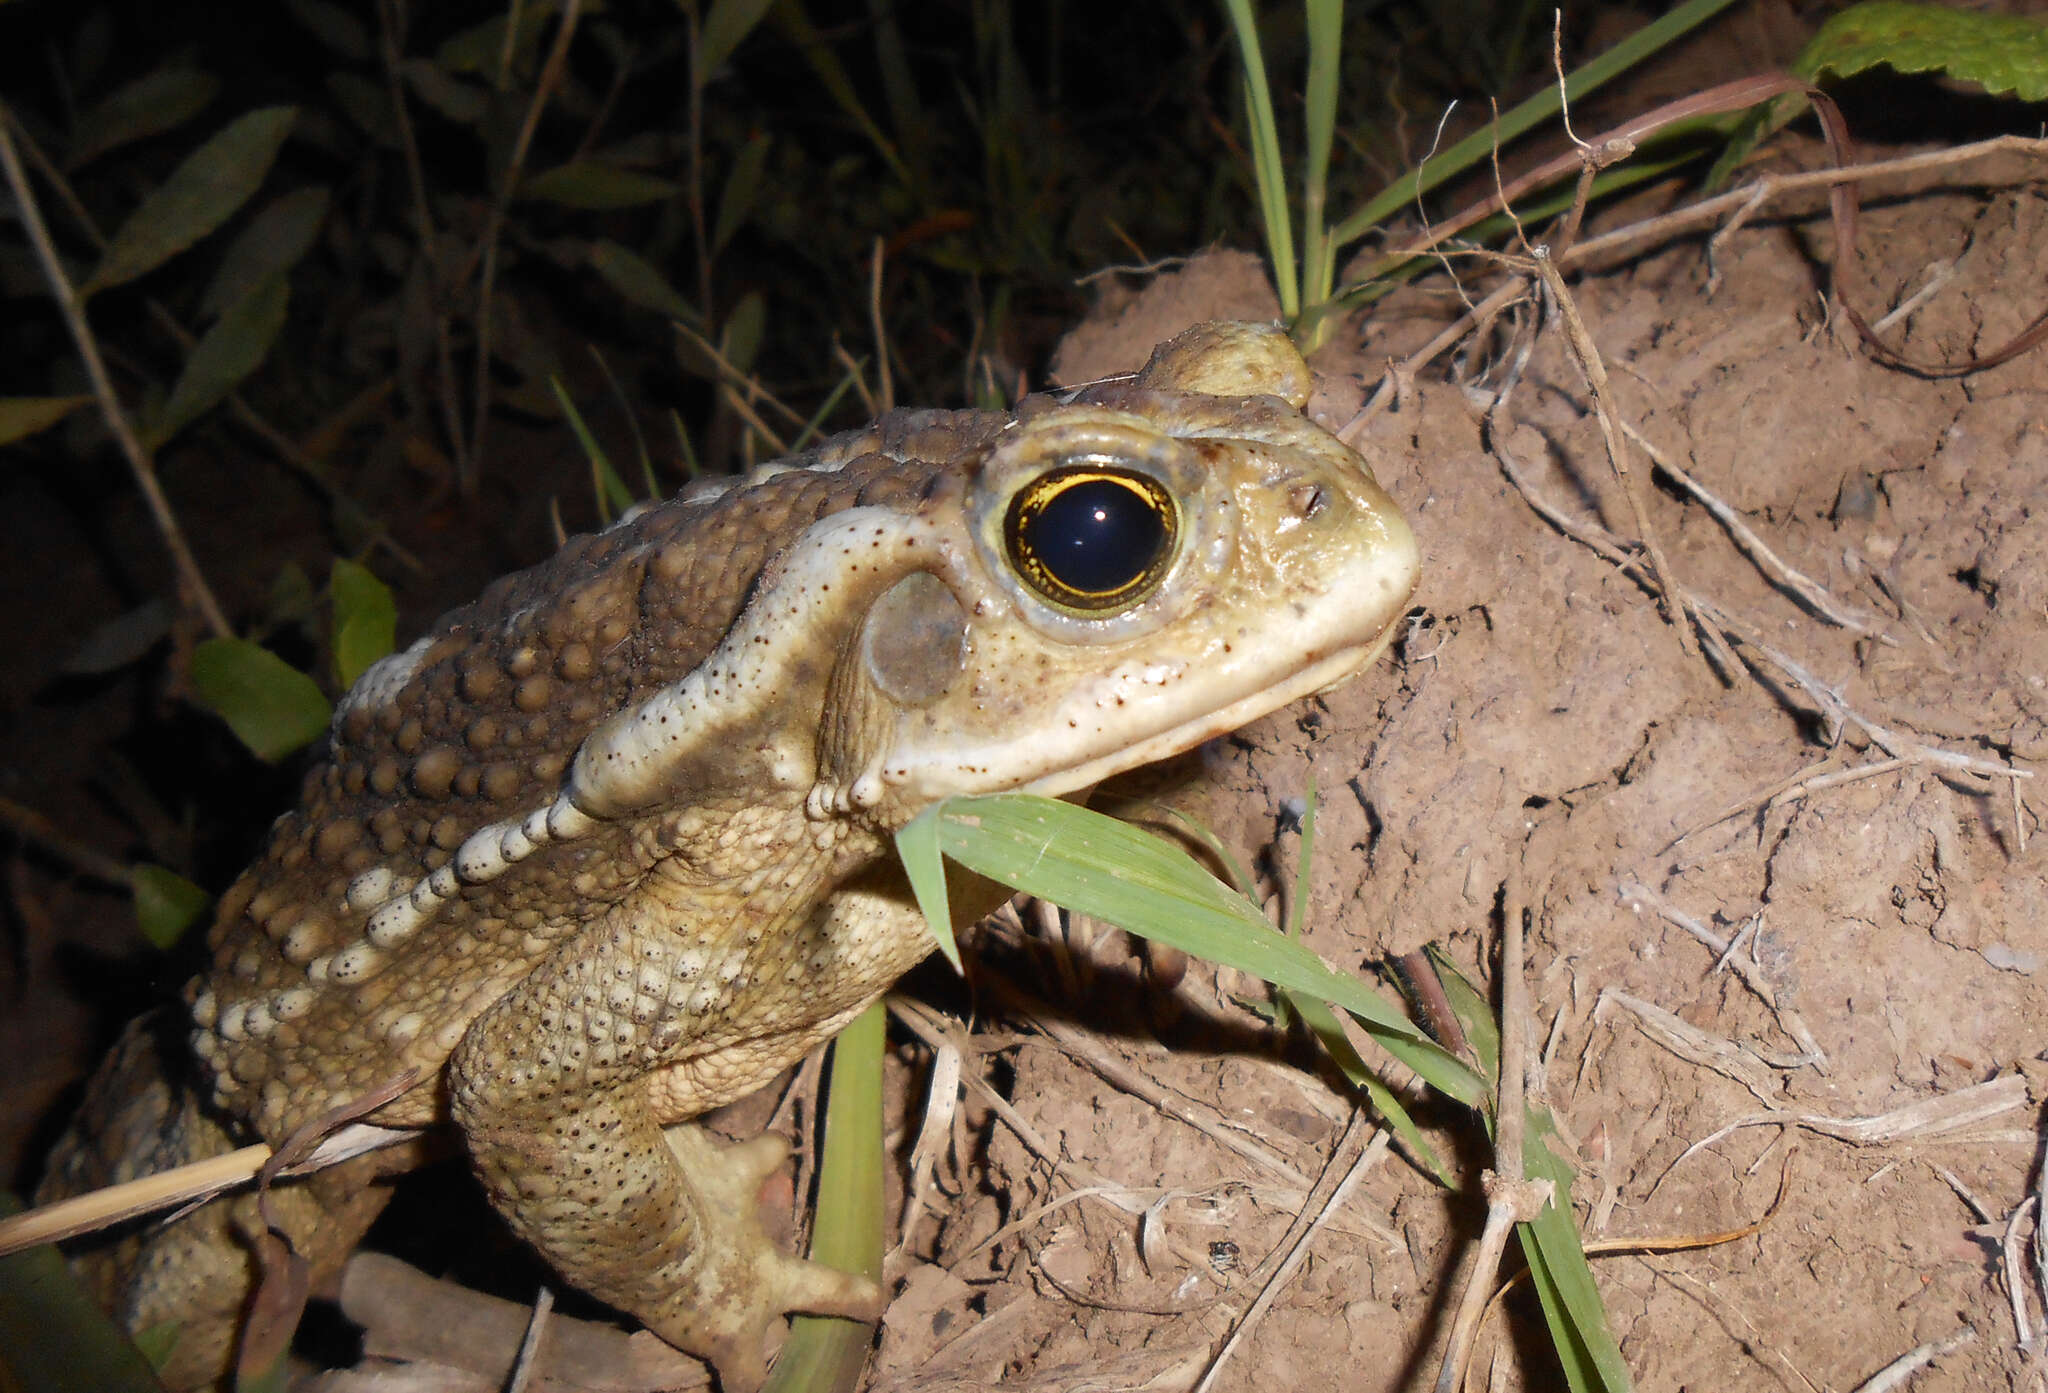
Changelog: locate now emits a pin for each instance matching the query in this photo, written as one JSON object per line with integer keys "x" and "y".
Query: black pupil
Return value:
{"x": 1096, "y": 537}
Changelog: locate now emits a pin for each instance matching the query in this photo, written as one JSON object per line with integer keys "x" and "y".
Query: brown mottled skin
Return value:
{"x": 609, "y": 847}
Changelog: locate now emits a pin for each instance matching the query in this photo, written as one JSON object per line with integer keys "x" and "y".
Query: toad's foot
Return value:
{"x": 744, "y": 1284}
{"x": 665, "y": 1225}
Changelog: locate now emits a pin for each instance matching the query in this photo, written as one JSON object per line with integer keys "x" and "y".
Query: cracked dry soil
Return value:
{"x": 1538, "y": 720}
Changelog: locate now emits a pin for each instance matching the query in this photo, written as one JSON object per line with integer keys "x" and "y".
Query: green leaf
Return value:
{"x": 334, "y": 25}
{"x": 53, "y": 1335}
{"x": 21, "y": 417}
{"x": 596, "y": 187}
{"x": 477, "y": 49}
{"x": 740, "y": 340}
{"x": 232, "y": 349}
{"x": 640, "y": 281}
{"x": 461, "y": 102}
{"x": 727, "y": 23}
{"x": 742, "y": 189}
{"x": 1103, "y": 868}
{"x": 269, "y": 704}
{"x": 2003, "y": 54}
{"x": 365, "y": 619}
{"x": 166, "y": 904}
{"x": 367, "y": 103}
{"x": 273, "y": 242}
{"x": 201, "y": 194}
{"x": 151, "y": 105}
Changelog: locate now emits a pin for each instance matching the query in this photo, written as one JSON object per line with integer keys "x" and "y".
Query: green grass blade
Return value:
{"x": 651, "y": 486}
{"x": 1100, "y": 867}
{"x": 1539, "y": 107}
{"x": 825, "y": 409}
{"x": 1297, "y": 912}
{"x": 1320, "y": 1019}
{"x": 1572, "y": 1307}
{"x": 824, "y": 1352}
{"x": 1266, "y": 168}
{"x": 815, "y": 48}
{"x": 1325, "y": 50}
{"x": 692, "y": 467}
{"x": 917, "y": 845}
{"x": 613, "y": 497}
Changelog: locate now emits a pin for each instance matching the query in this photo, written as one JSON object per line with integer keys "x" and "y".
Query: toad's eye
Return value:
{"x": 1092, "y": 538}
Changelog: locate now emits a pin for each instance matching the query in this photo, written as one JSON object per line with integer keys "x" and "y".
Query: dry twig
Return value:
{"x": 191, "y": 581}
{"x": 469, "y": 452}
{"x": 1511, "y": 1198}
{"x": 1895, "y": 1374}
{"x": 1941, "y": 1115}
{"x": 1779, "y": 572}
{"x": 1666, "y": 227}
{"x": 182, "y": 1185}
{"x": 1296, "y": 1244}
{"x": 1586, "y": 354}
{"x": 1747, "y": 968}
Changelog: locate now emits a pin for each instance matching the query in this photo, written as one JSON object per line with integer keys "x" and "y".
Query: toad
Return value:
{"x": 610, "y": 846}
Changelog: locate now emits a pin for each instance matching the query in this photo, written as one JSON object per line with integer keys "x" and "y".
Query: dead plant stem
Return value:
{"x": 1586, "y": 353}
{"x": 1738, "y": 202}
{"x": 1511, "y": 1198}
{"x": 1776, "y": 569}
{"x": 469, "y": 455}
{"x": 1368, "y": 1144}
{"x": 191, "y": 581}
{"x": 885, "y": 388}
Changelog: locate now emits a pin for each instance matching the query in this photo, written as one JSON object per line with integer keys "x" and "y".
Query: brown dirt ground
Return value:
{"x": 1538, "y": 725}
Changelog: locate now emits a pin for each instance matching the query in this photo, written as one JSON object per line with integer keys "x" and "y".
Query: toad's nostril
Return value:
{"x": 1306, "y": 499}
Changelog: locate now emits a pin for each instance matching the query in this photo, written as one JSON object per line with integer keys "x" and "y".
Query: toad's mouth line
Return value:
{"x": 1317, "y": 676}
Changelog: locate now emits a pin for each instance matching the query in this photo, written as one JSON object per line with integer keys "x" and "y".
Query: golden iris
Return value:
{"x": 1092, "y": 538}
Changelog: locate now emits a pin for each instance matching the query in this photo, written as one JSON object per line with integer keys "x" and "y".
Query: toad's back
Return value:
{"x": 311, "y": 1001}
